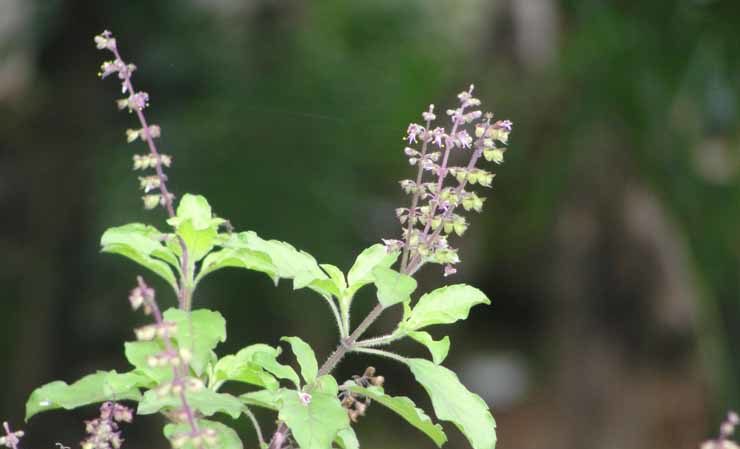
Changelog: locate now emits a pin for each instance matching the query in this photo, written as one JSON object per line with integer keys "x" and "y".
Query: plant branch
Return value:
{"x": 379, "y": 341}
{"x": 337, "y": 316}
{"x": 256, "y": 424}
{"x": 124, "y": 71}
{"x": 381, "y": 353}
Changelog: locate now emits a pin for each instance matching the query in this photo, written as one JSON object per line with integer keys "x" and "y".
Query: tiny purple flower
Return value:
{"x": 464, "y": 138}
{"x": 413, "y": 131}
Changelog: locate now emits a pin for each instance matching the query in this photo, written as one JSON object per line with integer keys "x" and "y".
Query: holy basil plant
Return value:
{"x": 176, "y": 368}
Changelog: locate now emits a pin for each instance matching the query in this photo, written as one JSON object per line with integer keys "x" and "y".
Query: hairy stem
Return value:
{"x": 378, "y": 341}
{"x": 381, "y": 353}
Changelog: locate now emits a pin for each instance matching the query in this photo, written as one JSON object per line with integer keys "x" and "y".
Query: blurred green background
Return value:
{"x": 609, "y": 243}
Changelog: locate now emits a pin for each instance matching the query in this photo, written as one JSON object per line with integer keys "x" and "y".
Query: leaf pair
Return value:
{"x": 196, "y": 228}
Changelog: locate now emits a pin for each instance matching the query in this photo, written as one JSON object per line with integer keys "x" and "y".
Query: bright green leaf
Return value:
{"x": 137, "y": 353}
{"x": 290, "y": 262}
{"x": 238, "y": 258}
{"x": 196, "y": 209}
{"x": 455, "y": 403}
{"x": 336, "y": 275}
{"x": 99, "y": 387}
{"x": 262, "y": 398}
{"x": 227, "y": 437}
{"x": 306, "y": 358}
{"x": 231, "y": 368}
{"x": 206, "y": 401}
{"x": 405, "y": 408}
{"x": 393, "y": 287}
{"x": 438, "y": 348}
{"x": 142, "y": 244}
{"x": 361, "y": 272}
{"x": 268, "y": 361}
{"x": 199, "y": 331}
{"x": 197, "y": 227}
{"x": 444, "y": 306}
{"x": 347, "y": 439}
{"x": 314, "y": 422}
{"x": 327, "y": 384}
{"x": 241, "y": 367}
{"x": 199, "y": 242}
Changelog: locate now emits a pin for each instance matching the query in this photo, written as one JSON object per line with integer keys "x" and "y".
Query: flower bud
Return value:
{"x": 146, "y": 333}
{"x": 305, "y": 398}
{"x": 151, "y": 201}
{"x": 132, "y": 134}
{"x": 496, "y": 155}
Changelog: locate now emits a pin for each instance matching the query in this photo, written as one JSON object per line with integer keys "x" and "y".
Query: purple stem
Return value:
{"x": 415, "y": 198}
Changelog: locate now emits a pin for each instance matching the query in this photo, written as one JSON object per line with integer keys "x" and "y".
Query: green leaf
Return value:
{"x": 336, "y": 276}
{"x": 99, "y": 387}
{"x": 327, "y": 384}
{"x": 444, "y": 306}
{"x": 316, "y": 423}
{"x": 137, "y": 353}
{"x": 142, "y": 244}
{"x": 268, "y": 361}
{"x": 455, "y": 403}
{"x": 196, "y": 225}
{"x": 306, "y": 358}
{"x": 347, "y": 439}
{"x": 238, "y": 258}
{"x": 290, "y": 262}
{"x": 227, "y": 437}
{"x": 206, "y": 401}
{"x": 438, "y": 348}
{"x": 199, "y": 331}
{"x": 405, "y": 408}
{"x": 393, "y": 287}
{"x": 361, "y": 272}
{"x": 199, "y": 242}
{"x": 196, "y": 209}
{"x": 231, "y": 368}
{"x": 262, "y": 398}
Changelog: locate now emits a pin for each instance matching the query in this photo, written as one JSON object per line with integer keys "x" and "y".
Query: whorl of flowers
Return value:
{"x": 440, "y": 188}
{"x": 103, "y": 431}
{"x": 136, "y": 102}
{"x": 726, "y": 429}
{"x": 11, "y": 439}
